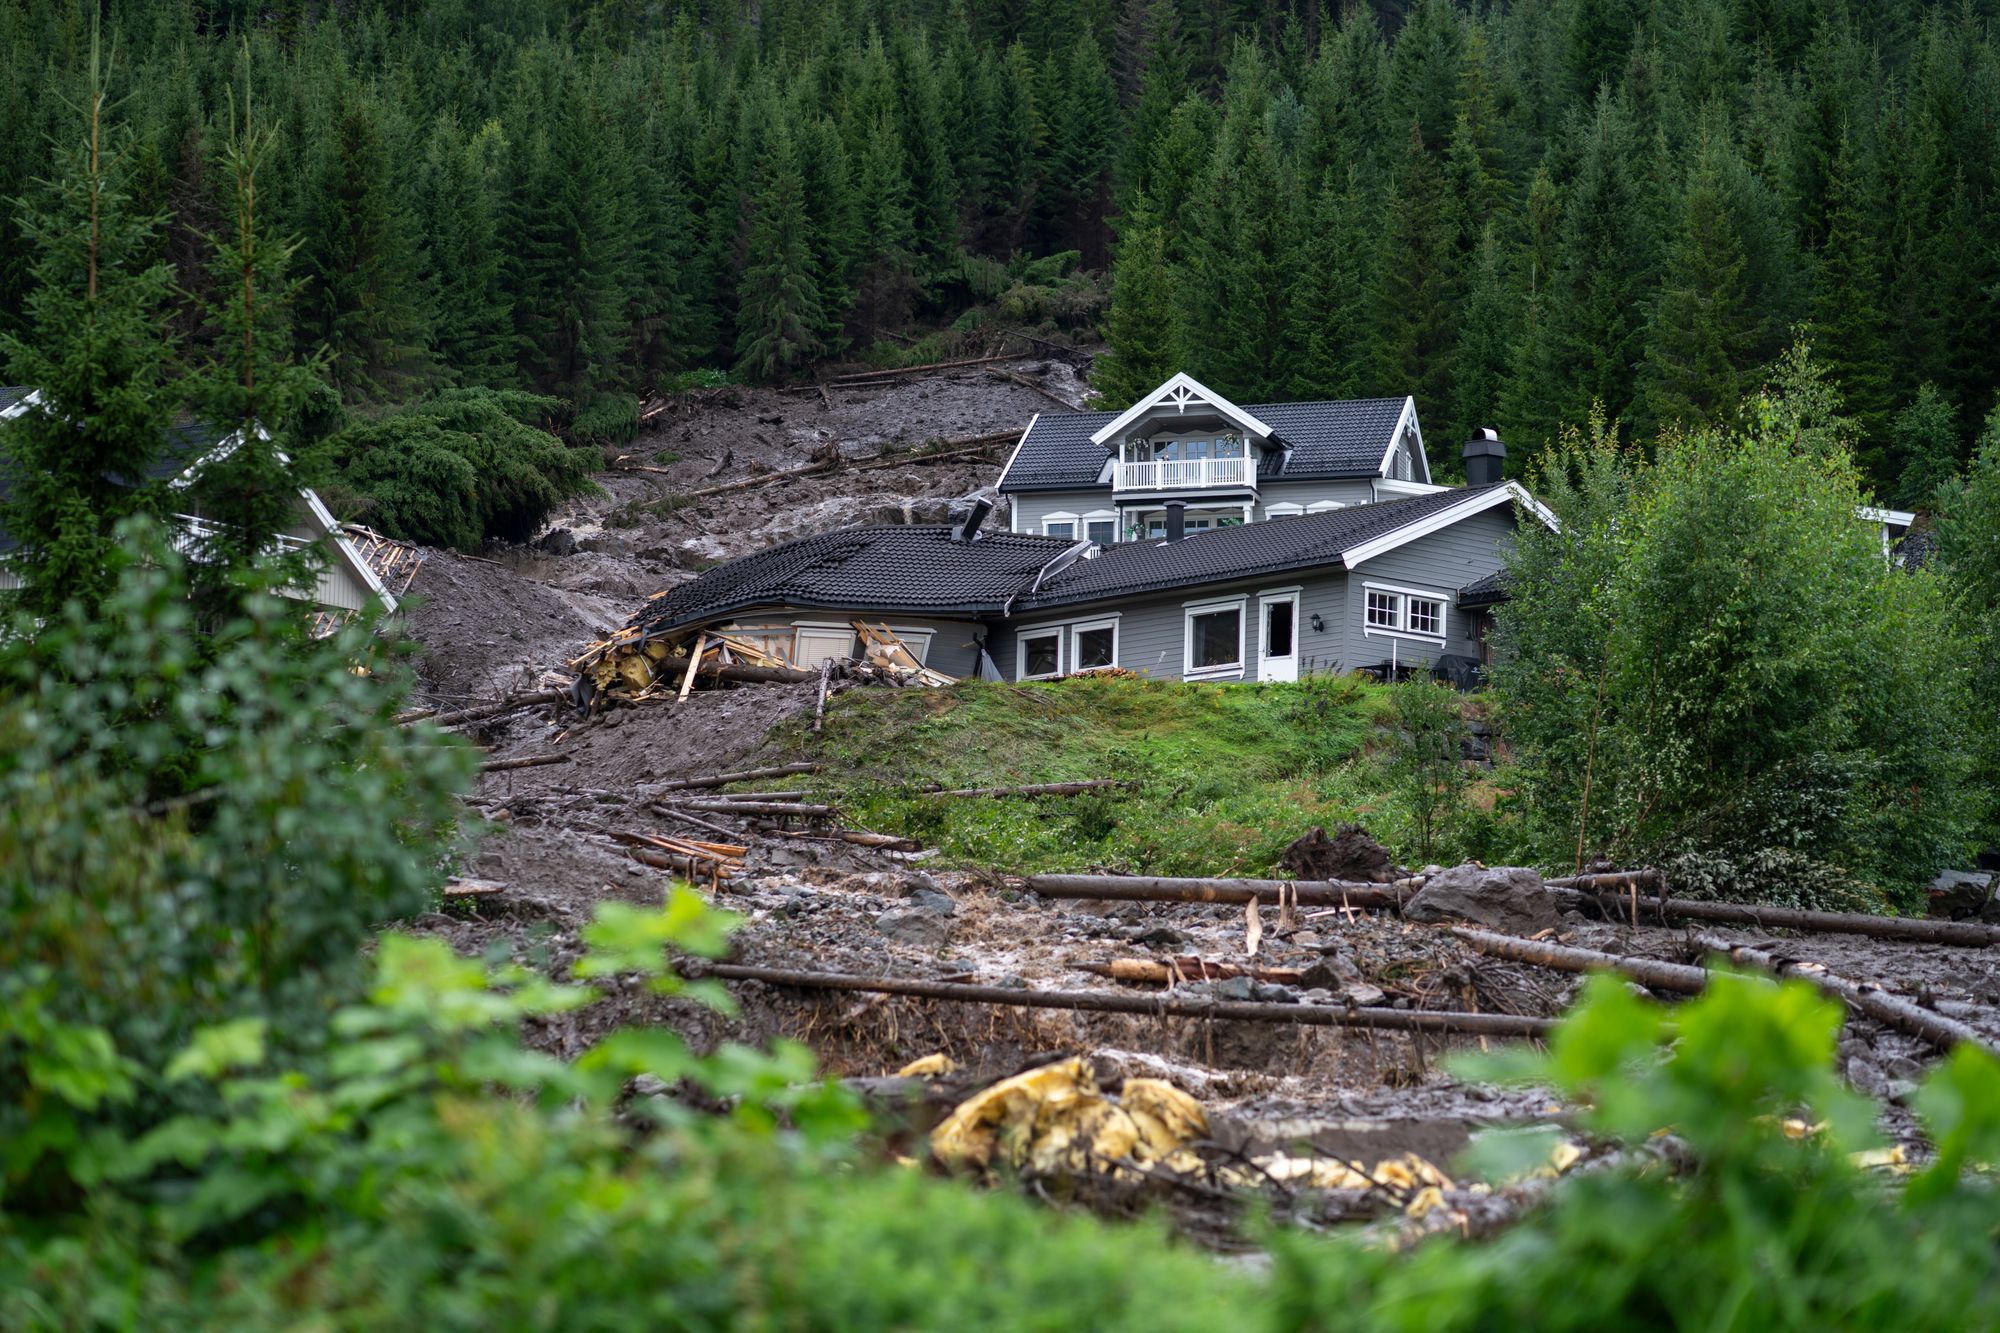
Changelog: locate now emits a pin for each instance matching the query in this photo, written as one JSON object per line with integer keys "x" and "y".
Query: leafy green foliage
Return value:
{"x": 196, "y": 830}
{"x": 465, "y": 467}
{"x": 1426, "y": 767}
{"x": 1969, "y": 515}
{"x": 1713, "y": 658}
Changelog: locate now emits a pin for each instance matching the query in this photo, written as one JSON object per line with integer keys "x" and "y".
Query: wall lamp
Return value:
{"x": 1319, "y": 626}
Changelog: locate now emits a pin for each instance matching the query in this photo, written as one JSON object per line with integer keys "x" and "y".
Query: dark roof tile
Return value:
{"x": 1241, "y": 551}
{"x": 911, "y": 569}
{"x": 1329, "y": 439}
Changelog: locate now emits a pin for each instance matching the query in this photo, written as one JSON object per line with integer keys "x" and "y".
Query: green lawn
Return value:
{"x": 1228, "y": 774}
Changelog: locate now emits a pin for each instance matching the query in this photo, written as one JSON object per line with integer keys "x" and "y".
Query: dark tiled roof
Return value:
{"x": 1489, "y": 591}
{"x": 912, "y": 569}
{"x": 1321, "y": 440}
{"x": 1242, "y": 551}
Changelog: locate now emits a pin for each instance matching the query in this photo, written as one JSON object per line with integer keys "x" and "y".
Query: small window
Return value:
{"x": 1215, "y": 639}
{"x": 1103, "y": 531}
{"x": 1052, "y": 528}
{"x": 1384, "y": 610}
{"x": 1041, "y": 654}
{"x": 1322, "y": 506}
{"x": 1424, "y": 616}
{"x": 1282, "y": 511}
{"x": 1096, "y": 646}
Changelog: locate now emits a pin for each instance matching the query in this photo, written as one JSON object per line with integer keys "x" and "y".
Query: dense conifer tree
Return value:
{"x": 779, "y": 319}
{"x": 1848, "y": 332}
{"x": 1702, "y": 331}
{"x": 1414, "y": 300}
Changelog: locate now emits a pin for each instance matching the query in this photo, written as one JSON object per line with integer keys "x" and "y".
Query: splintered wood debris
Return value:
{"x": 636, "y": 666}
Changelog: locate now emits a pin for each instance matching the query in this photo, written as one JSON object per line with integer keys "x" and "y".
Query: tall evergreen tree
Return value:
{"x": 93, "y": 347}
{"x": 1141, "y": 326}
{"x": 778, "y": 318}
{"x": 363, "y": 299}
{"x": 1847, "y": 310}
{"x": 1414, "y": 301}
{"x": 1330, "y": 314}
{"x": 1702, "y": 332}
{"x": 1924, "y": 449}
{"x": 474, "y": 339}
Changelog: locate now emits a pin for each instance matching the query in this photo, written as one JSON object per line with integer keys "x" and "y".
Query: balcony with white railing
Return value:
{"x": 1181, "y": 474}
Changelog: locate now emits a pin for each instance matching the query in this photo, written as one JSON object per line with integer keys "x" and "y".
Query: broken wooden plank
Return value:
{"x": 1154, "y": 972}
{"x": 694, "y": 664}
{"x": 1159, "y": 1006}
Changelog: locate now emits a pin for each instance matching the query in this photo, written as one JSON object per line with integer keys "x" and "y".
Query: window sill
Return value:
{"x": 1234, "y": 671}
{"x": 1436, "y": 640}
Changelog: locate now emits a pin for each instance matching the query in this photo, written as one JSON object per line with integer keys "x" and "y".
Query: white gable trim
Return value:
{"x": 1511, "y": 492}
{"x": 1180, "y": 391}
{"x": 1409, "y": 416}
{"x": 1001, "y": 484}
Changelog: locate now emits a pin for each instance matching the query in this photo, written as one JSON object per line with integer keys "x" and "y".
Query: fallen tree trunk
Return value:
{"x": 1608, "y": 880}
{"x": 720, "y": 807}
{"x": 745, "y": 674}
{"x": 859, "y": 837}
{"x": 741, "y": 775}
{"x": 1893, "y": 1010}
{"x": 529, "y": 761}
{"x": 1161, "y": 1006}
{"x": 483, "y": 711}
{"x": 1152, "y": 972}
{"x": 671, "y": 813}
{"x": 686, "y": 866}
{"x": 897, "y": 372}
{"x": 1034, "y": 788}
{"x": 1026, "y": 383}
{"x": 1146, "y": 889}
{"x": 1920, "y": 929}
{"x": 1676, "y": 977}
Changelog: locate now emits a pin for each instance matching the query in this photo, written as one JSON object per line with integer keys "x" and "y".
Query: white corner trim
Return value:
{"x": 1028, "y": 430}
{"x": 1289, "y": 590}
{"x": 1408, "y": 414}
{"x": 33, "y": 398}
{"x": 1182, "y": 389}
{"x": 1901, "y": 518}
{"x": 1511, "y": 492}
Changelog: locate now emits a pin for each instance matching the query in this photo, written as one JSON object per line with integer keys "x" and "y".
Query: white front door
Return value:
{"x": 1278, "y": 636}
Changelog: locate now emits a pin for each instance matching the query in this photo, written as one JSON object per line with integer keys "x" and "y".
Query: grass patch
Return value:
{"x": 1228, "y": 774}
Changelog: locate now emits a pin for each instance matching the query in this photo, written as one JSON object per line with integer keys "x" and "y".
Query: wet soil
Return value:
{"x": 487, "y": 627}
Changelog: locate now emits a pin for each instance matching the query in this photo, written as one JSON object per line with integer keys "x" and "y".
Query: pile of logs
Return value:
{"x": 638, "y": 666}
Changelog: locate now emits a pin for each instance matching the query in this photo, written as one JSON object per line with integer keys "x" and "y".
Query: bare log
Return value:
{"x": 527, "y": 761}
{"x": 1145, "y": 889}
{"x": 819, "y": 708}
{"x": 689, "y": 867}
{"x": 1610, "y": 880}
{"x": 1035, "y": 788}
{"x": 1676, "y": 977}
{"x": 741, "y": 775}
{"x": 1164, "y": 1006}
{"x": 1026, "y": 383}
{"x": 1863, "y": 998}
{"x": 481, "y": 712}
{"x": 671, "y": 813}
{"x": 898, "y": 372}
{"x": 745, "y": 674}
{"x": 1974, "y": 934}
{"x": 1153, "y": 972}
{"x": 721, "y": 807}
{"x": 413, "y": 715}
{"x": 859, "y": 837}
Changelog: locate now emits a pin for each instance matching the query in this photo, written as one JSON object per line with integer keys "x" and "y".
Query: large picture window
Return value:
{"x": 1094, "y": 645}
{"x": 1041, "y": 653}
{"x": 1214, "y": 639}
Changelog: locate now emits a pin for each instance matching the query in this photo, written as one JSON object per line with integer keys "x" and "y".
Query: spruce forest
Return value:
{"x": 1519, "y": 213}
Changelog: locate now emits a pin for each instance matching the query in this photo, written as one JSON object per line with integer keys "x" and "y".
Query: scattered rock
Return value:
{"x": 557, "y": 541}
{"x": 1364, "y": 996}
{"x": 1509, "y": 898}
{"x": 1270, "y": 992}
{"x": 935, "y": 900}
{"x": 1157, "y": 935}
{"x": 1233, "y": 988}
{"x": 1334, "y": 972}
{"x": 925, "y": 926}
{"x": 1349, "y": 854}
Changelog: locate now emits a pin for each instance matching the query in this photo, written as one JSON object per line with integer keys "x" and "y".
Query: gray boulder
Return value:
{"x": 925, "y": 927}
{"x": 1509, "y": 898}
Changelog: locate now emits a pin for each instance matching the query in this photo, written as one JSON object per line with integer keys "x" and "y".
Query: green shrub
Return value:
{"x": 606, "y": 418}
{"x": 196, "y": 828}
{"x": 1426, "y": 769}
{"x": 458, "y": 470}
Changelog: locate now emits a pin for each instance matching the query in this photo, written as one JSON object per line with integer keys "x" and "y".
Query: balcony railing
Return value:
{"x": 1173, "y": 474}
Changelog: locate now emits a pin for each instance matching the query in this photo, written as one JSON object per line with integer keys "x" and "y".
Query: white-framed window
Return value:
{"x": 1411, "y": 613}
{"x": 1093, "y": 644}
{"x": 1213, "y": 638}
{"x": 1059, "y": 524}
{"x": 1321, "y": 506}
{"x": 1283, "y": 509}
{"x": 1039, "y": 653}
{"x": 1101, "y": 526}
